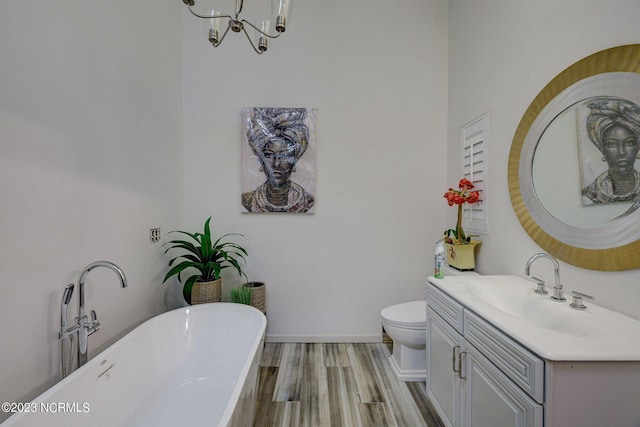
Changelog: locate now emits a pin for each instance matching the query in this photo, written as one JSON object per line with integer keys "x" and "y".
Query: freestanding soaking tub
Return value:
{"x": 194, "y": 366}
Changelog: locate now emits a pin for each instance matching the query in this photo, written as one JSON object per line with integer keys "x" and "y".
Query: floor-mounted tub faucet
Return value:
{"x": 83, "y": 327}
{"x": 557, "y": 287}
{"x": 87, "y": 328}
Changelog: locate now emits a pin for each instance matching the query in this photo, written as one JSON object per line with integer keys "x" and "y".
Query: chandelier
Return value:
{"x": 262, "y": 29}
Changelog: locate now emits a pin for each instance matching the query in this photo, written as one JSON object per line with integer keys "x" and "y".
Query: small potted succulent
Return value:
{"x": 201, "y": 261}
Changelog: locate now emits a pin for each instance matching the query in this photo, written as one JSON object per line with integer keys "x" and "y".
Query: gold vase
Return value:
{"x": 205, "y": 292}
{"x": 462, "y": 257}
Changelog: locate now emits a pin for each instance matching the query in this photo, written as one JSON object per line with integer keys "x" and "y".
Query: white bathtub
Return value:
{"x": 194, "y": 366}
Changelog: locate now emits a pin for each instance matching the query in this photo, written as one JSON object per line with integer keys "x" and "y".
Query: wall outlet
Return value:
{"x": 154, "y": 235}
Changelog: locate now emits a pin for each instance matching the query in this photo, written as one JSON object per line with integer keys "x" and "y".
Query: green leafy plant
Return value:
{"x": 202, "y": 259}
{"x": 241, "y": 295}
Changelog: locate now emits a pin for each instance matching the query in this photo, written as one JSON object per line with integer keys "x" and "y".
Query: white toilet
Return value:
{"x": 406, "y": 325}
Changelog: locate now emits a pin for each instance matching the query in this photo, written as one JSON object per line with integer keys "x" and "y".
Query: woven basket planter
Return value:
{"x": 257, "y": 295}
{"x": 205, "y": 292}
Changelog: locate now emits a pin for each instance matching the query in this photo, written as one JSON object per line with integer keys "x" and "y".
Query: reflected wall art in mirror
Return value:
{"x": 574, "y": 168}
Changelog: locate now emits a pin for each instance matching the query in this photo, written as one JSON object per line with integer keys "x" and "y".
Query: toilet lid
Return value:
{"x": 412, "y": 313}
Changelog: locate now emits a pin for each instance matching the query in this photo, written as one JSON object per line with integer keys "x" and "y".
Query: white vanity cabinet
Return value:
{"x": 477, "y": 376}
{"x": 577, "y": 368}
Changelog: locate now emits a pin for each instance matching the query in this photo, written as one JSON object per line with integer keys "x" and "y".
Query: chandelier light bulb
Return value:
{"x": 213, "y": 26}
{"x": 281, "y": 10}
{"x": 262, "y": 39}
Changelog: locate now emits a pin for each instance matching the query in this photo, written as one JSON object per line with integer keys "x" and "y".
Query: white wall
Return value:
{"x": 90, "y": 159}
{"x": 377, "y": 73}
{"x": 502, "y": 53}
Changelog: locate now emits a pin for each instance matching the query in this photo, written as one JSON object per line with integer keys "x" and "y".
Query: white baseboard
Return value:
{"x": 323, "y": 338}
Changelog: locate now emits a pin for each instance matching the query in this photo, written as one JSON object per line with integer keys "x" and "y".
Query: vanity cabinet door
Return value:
{"x": 444, "y": 385}
{"x": 519, "y": 364}
{"x": 493, "y": 400}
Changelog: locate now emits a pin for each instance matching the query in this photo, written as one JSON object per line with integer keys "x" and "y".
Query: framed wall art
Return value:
{"x": 278, "y": 160}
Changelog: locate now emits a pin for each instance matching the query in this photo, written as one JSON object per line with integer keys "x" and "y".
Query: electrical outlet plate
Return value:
{"x": 154, "y": 235}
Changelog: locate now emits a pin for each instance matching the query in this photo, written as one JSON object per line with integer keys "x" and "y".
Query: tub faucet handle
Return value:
{"x": 95, "y": 325}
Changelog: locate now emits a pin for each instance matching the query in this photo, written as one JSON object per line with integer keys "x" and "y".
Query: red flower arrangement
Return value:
{"x": 458, "y": 197}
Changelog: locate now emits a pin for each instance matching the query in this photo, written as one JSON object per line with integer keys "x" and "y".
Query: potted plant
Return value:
{"x": 241, "y": 295}
{"x": 257, "y": 295}
{"x": 201, "y": 262}
{"x": 460, "y": 247}
{"x": 250, "y": 293}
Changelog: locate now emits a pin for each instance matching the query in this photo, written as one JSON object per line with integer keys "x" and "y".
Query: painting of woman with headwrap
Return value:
{"x": 276, "y": 177}
{"x": 613, "y": 126}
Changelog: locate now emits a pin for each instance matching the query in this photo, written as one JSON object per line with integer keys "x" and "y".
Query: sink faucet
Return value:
{"x": 557, "y": 287}
{"x": 89, "y": 327}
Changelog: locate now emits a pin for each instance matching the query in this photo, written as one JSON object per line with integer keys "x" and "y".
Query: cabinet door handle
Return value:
{"x": 459, "y": 371}
{"x": 453, "y": 358}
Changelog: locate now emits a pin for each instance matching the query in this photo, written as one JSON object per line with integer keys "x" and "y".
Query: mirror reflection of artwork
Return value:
{"x": 278, "y": 156}
{"x": 612, "y": 125}
{"x": 601, "y": 236}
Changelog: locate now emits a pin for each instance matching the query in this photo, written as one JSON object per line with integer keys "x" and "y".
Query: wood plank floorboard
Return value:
{"x": 336, "y": 385}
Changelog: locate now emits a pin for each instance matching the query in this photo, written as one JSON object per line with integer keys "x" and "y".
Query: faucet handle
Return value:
{"x": 95, "y": 325}
{"x": 540, "y": 283}
{"x": 577, "y": 300}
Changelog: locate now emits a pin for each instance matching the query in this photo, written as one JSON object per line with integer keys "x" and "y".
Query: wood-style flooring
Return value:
{"x": 336, "y": 385}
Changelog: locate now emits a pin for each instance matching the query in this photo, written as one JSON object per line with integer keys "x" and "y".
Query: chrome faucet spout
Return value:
{"x": 557, "y": 287}
{"x": 88, "y": 327}
{"x": 87, "y": 269}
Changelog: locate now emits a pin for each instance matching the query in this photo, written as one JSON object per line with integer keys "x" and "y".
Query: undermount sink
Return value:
{"x": 550, "y": 328}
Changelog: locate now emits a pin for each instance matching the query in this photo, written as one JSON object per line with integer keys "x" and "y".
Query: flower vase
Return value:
{"x": 462, "y": 257}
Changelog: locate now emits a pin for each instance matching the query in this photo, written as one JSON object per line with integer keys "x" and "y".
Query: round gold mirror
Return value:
{"x": 573, "y": 180}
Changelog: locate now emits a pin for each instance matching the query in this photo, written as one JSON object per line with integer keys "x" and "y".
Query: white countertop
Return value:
{"x": 553, "y": 330}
